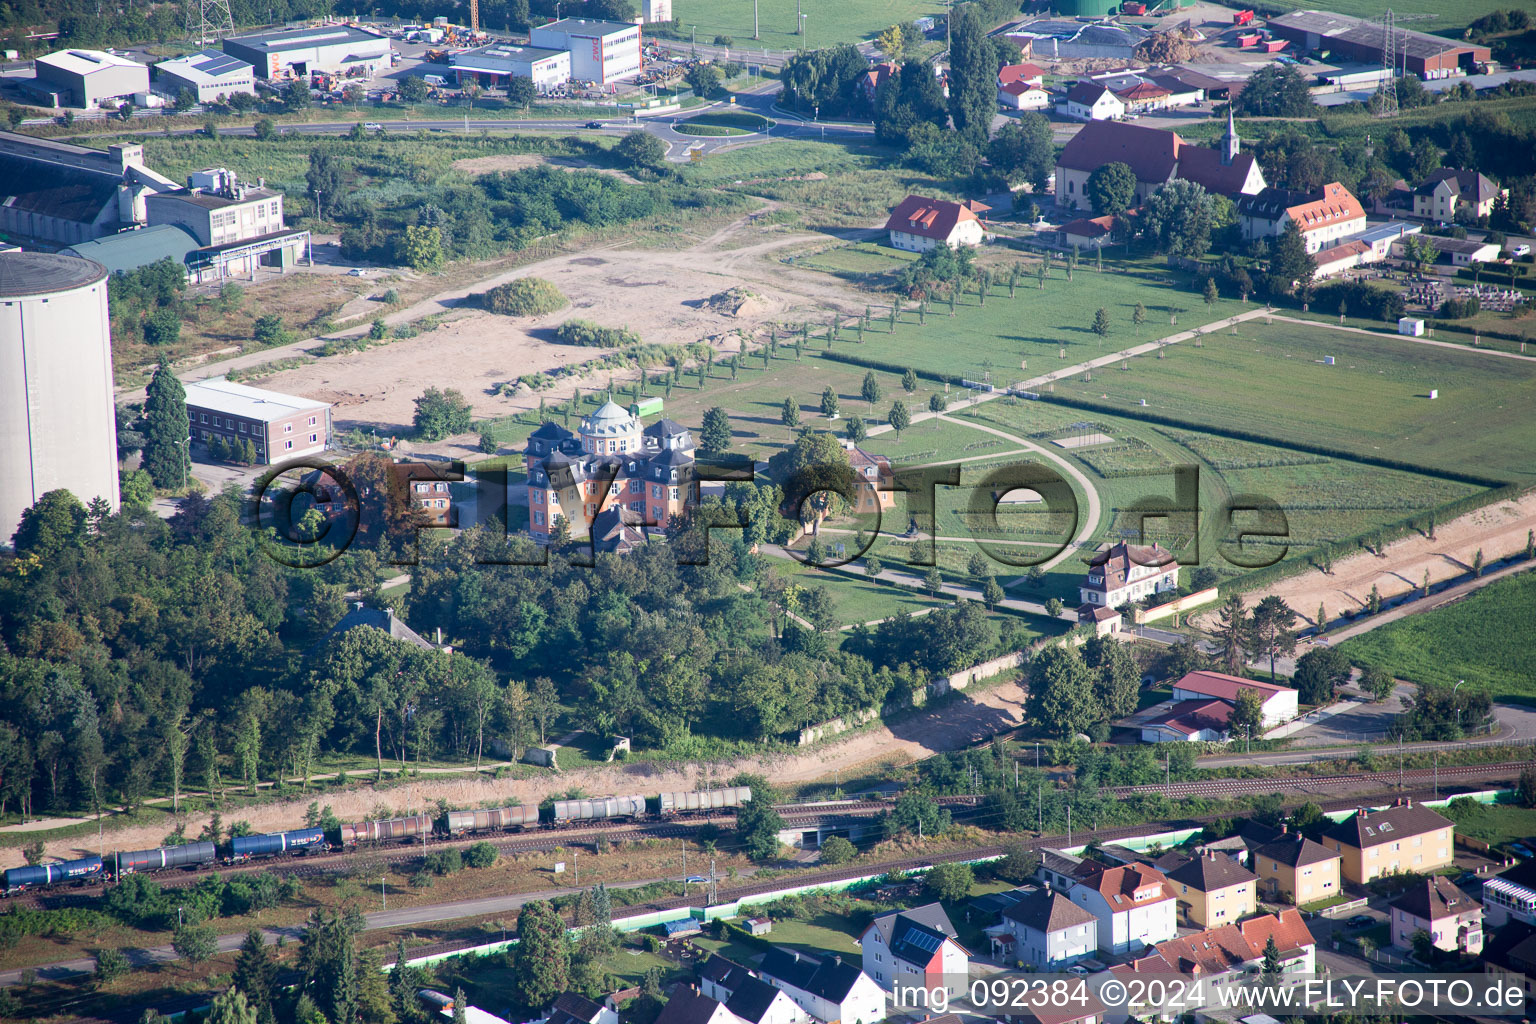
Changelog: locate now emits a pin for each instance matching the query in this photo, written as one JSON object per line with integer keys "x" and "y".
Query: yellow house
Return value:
{"x": 1401, "y": 838}
{"x": 1214, "y": 889}
{"x": 1294, "y": 868}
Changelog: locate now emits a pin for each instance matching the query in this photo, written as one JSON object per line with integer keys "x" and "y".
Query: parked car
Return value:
{"x": 1522, "y": 850}
{"x": 1360, "y": 921}
{"x": 1078, "y": 969}
{"x": 1521, "y": 250}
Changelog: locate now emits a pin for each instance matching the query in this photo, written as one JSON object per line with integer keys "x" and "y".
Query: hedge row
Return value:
{"x": 885, "y": 367}
{"x": 1256, "y": 438}
{"x": 585, "y": 332}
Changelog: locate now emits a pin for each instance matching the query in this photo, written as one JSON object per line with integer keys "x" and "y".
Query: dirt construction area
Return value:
{"x": 1497, "y": 530}
{"x": 953, "y": 725}
{"x": 663, "y": 295}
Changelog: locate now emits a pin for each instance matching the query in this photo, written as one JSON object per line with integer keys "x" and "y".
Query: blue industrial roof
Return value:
{"x": 130, "y": 250}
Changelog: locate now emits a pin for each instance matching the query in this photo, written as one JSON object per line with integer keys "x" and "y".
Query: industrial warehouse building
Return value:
{"x": 65, "y": 194}
{"x": 279, "y": 426}
{"x": 337, "y": 49}
{"x": 493, "y": 65}
{"x": 211, "y": 75}
{"x": 58, "y": 427}
{"x": 601, "y": 51}
{"x": 84, "y": 78}
{"x": 238, "y": 227}
{"x": 1355, "y": 39}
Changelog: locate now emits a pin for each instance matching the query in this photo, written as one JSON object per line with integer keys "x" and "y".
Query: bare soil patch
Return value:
{"x": 1497, "y": 530}
{"x": 670, "y": 297}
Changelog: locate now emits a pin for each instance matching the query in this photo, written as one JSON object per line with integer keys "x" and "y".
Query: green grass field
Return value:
{"x": 1497, "y": 823}
{"x": 1037, "y": 324}
{"x": 1467, "y": 640}
{"x": 1270, "y": 379}
{"x": 848, "y": 22}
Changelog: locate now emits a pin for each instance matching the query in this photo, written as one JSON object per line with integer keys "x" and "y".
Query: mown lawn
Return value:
{"x": 1482, "y": 639}
{"x": 1271, "y": 379}
{"x": 850, "y": 21}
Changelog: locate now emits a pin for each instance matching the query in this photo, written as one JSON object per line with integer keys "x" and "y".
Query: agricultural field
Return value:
{"x": 1271, "y": 380}
{"x": 850, "y": 22}
{"x": 1466, "y": 640}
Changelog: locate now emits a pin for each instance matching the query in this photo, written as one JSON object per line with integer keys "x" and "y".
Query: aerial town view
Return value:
{"x": 728, "y": 511}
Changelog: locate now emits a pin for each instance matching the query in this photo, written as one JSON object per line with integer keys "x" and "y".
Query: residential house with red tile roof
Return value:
{"x": 1280, "y": 702}
{"x": 1202, "y": 721}
{"x": 1086, "y": 232}
{"x": 871, "y": 81}
{"x": 1126, "y": 572}
{"x": 1324, "y": 216}
{"x": 919, "y": 224}
{"x": 1435, "y": 906}
{"x": 1023, "y": 96}
{"x": 1156, "y": 157}
{"x": 1233, "y": 949}
{"x": 1135, "y": 905}
{"x": 1144, "y": 96}
{"x": 1027, "y": 73}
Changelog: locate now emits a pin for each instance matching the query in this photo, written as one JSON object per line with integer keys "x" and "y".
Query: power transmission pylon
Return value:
{"x": 207, "y": 20}
{"x": 1386, "y": 95}
{"x": 474, "y": 17}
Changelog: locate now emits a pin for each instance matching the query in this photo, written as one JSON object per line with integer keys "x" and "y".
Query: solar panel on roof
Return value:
{"x": 218, "y": 64}
{"x": 922, "y": 940}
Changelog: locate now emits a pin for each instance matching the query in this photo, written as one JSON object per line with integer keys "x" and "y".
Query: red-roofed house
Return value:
{"x": 1144, "y": 96}
{"x": 1086, "y": 232}
{"x": 1344, "y": 256}
{"x": 1239, "y": 948}
{"x": 1127, "y": 572}
{"x": 1324, "y": 216}
{"x": 919, "y": 223}
{"x": 1156, "y": 157}
{"x": 1023, "y": 96}
{"x": 1189, "y": 720}
{"x": 871, "y": 81}
{"x": 1280, "y": 703}
{"x": 1135, "y": 904}
{"x": 1026, "y": 73}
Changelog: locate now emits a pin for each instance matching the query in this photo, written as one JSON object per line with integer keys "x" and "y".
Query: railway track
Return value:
{"x": 1239, "y": 787}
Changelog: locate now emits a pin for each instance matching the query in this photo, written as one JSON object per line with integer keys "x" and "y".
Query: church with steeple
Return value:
{"x": 612, "y": 478}
{"x": 1156, "y": 157}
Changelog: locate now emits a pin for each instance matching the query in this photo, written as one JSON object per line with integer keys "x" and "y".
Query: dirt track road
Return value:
{"x": 1497, "y": 530}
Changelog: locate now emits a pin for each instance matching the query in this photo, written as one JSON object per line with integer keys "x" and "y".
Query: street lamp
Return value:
{"x": 694, "y": 46}
{"x": 1457, "y": 706}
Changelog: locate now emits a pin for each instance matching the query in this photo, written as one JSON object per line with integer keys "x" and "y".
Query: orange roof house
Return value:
{"x": 919, "y": 223}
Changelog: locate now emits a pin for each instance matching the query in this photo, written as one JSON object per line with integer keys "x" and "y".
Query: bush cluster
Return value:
{"x": 527, "y": 296}
{"x": 585, "y": 332}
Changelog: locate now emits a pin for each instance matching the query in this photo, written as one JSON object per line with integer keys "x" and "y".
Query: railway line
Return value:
{"x": 1242, "y": 787}
{"x": 796, "y": 815}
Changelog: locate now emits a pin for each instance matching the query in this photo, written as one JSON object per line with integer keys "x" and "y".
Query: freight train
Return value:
{"x": 416, "y": 828}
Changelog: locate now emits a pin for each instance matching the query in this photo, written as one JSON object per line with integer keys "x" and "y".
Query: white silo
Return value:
{"x": 57, "y": 423}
